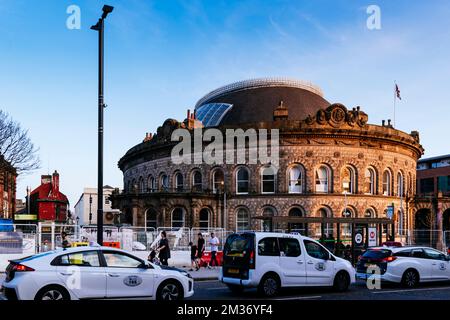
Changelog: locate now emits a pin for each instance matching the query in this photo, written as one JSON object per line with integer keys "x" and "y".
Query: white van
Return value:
{"x": 269, "y": 261}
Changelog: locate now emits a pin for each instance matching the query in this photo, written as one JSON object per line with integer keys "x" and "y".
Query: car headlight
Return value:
{"x": 186, "y": 274}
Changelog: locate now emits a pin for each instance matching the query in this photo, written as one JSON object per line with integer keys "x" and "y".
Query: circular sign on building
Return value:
{"x": 358, "y": 238}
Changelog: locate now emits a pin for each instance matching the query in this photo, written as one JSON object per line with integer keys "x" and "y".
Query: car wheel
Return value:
{"x": 169, "y": 290}
{"x": 235, "y": 288}
{"x": 52, "y": 293}
{"x": 269, "y": 285}
{"x": 341, "y": 281}
{"x": 410, "y": 278}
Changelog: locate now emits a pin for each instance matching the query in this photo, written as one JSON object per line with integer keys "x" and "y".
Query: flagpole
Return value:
{"x": 395, "y": 98}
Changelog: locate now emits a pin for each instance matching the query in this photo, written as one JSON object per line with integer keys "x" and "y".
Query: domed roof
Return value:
{"x": 255, "y": 100}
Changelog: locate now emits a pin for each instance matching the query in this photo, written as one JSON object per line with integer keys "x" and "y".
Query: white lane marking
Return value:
{"x": 411, "y": 290}
{"x": 299, "y": 298}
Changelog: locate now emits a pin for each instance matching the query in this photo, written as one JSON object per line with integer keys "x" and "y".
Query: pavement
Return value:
{"x": 204, "y": 274}
{"x": 215, "y": 290}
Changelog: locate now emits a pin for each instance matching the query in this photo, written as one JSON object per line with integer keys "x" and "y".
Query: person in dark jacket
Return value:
{"x": 64, "y": 241}
{"x": 200, "y": 249}
{"x": 163, "y": 249}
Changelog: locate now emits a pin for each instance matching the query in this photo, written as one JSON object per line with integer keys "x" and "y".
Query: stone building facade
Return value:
{"x": 332, "y": 163}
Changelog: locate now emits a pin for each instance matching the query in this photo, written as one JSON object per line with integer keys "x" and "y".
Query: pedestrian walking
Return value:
{"x": 214, "y": 243}
{"x": 65, "y": 243}
{"x": 194, "y": 263}
{"x": 163, "y": 249}
{"x": 200, "y": 249}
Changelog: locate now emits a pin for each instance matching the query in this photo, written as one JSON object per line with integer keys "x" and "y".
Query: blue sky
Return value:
{"x": 162, "y": 56}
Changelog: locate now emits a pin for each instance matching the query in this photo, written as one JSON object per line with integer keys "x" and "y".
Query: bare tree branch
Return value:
{"x": 16, "y": 147}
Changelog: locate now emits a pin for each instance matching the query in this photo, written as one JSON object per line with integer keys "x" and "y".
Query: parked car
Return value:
{"x": 270, "y": 261}
{"x": 93, "y": 273}
{"x": 392, "y": 244}
{"x": 406, "y": 265}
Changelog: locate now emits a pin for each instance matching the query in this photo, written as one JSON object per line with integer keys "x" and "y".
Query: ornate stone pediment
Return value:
{"x": 164, "y": 132}
{"x": 337, "y": 115}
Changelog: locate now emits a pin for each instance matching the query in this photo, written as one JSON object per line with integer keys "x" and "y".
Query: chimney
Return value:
{"x": 194, "y": 116}
{"x": 46, "y": 179}
{"x": 389, "y": 123}
{"x": 55, "y": 183}
{"x": 383, "y": 122}
{"x": 188, "y": 114}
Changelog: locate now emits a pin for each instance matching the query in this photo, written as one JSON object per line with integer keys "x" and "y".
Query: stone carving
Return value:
{"x": 337, "y": 115}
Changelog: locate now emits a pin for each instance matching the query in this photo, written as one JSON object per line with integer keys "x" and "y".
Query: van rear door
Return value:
{"x": 239, "y": 255}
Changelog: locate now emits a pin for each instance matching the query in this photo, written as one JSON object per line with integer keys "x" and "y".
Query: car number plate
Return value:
{"x": 234, "y": 271}
{"x": 368, "y": 265}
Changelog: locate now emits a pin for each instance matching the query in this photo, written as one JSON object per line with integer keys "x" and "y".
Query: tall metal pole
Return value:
{"x": 100, "y": 135}
{"x": 100, "y": 28}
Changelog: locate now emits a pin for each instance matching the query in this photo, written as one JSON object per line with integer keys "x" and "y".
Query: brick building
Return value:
{"x": 333, "y": 167}
{"x": 47, "y": 202}
{"x": 432, "y": 201}
{"x": 8, "y": 176}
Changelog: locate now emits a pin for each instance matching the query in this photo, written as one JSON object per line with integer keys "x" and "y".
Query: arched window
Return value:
{"x": 400, "y": 185}
{"x": 242, "y": 180}
{"x": 370, "y": 181}
{"x": 387, "y": 188}
{"x": 369, "y": 213}
{"x": 347, "y": 227}
{"x": 197, "y": 181}
{"x": 348, "y": 213}
{"x": 141, "y": 185}
{"x": 322, "y": 179}
{"x": 217, "y": 180}
{"x": 242, "y": 220}
{"x": 268, "y": 180}
{"x": 151, "y": 184}
{"x": 134, "y": 186}
{"x": 266, "y": 224}
{"x": 296, "y": 227}
{"x": 204, "y": 219}
{"x": 326, "y": 228}
{"x": 164, "y": 182}
{"x": 295, "y": 174}
{"x": 150, "y": 219}
{"x": 410, "y": 184}
{"x": 179, "y": 181}
{"x": 399, "y": 222}
{"x": 178, "y": 218}
{"x": 348, "y": 180}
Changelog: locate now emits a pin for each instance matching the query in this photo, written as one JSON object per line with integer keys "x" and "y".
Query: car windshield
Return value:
{"x": 377, "y": 254}
{"x": 238, "y": 244}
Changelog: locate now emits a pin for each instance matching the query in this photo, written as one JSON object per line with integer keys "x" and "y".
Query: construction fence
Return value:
{"x": 33, "y": 238}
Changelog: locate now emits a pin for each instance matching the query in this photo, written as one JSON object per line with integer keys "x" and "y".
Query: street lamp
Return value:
{"x": 100, "y": 26}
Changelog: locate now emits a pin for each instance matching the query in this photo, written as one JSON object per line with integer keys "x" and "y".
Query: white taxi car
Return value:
{"x": 270, "y": 261}
{"x": 405, "y": 265}
{"x": 93, "y": 273}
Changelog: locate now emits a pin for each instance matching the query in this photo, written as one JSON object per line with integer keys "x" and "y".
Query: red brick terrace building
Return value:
{"x": 47, "y": 201}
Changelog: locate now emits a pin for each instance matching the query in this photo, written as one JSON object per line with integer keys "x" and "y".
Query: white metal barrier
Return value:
{"x": 18, "y": 239}
{"x": 49, "y": 235}
{"x": 137, "y": 238}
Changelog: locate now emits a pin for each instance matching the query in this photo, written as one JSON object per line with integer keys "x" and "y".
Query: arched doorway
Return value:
{"x": 296, "y": 227}
{"x": 424, "y": 225}
{"x": 151, "y": 218}
{"x": 128, "y": 217}
{"x": 266, "y": 224}
{"x": 178, "y": 218}
{"x": 204, "y": 219}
